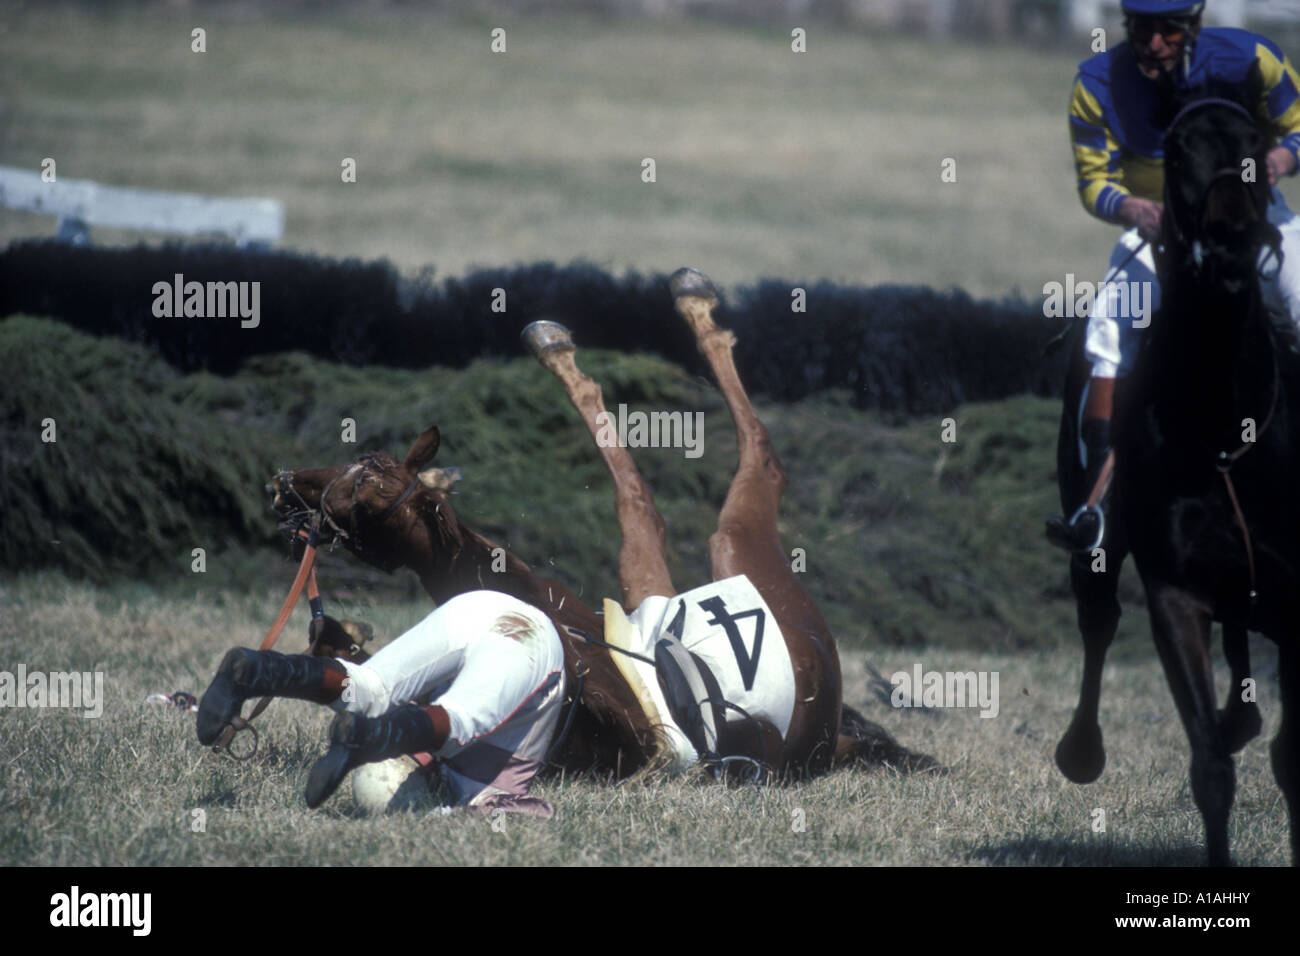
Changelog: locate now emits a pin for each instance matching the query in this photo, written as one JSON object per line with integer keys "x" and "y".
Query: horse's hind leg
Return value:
{"x": 642, "y": 559}
{"x": 1239, "y": 720}
{"x": 1181, "y": 627}
{"x": 1285, "y": 749}
{"x": 747, "y": 542}
{"x": 1080, "y": 755}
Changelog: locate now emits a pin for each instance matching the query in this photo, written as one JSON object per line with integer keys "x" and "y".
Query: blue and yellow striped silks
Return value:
{"x": 1117, "y": 113}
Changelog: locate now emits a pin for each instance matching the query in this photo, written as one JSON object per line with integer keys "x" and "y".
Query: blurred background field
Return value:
{"x": 770, "y": 163}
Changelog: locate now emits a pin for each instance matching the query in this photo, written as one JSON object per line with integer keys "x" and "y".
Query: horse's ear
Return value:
{"x": 422, "y": 452}
{"x": 439, "y": 479}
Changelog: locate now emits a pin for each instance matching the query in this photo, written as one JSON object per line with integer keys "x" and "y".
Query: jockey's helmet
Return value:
{"x": 1161, "y": 8}
{"x": 1176, "y": 24}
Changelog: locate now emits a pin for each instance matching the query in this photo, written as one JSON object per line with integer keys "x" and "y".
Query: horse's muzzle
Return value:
{"x": 285, "y": 500}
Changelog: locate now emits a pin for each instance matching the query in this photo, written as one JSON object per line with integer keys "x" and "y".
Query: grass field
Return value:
{"x": 124, "y": 788}
{"x": 824, "y": 164}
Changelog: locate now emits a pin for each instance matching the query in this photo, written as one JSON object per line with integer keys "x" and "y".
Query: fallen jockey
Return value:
{"x": 491, "y": 667}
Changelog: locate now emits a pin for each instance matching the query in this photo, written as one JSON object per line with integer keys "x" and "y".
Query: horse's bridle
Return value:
{"x": 350, "y": 535}
{"x": 1188, "y": 239}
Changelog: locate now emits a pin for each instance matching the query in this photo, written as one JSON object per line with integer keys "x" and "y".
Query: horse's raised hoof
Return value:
{"x": 692, "y": 282}
{"x": 1239, "y": 726}
{"x": 545, "y": 336}
{"x": 1080, "y": 755}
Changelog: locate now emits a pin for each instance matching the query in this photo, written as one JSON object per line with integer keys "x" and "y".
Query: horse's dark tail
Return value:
{"x": 874, "y": 746}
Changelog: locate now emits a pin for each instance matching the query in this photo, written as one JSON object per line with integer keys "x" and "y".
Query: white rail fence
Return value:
{"x": 81, "y": 203}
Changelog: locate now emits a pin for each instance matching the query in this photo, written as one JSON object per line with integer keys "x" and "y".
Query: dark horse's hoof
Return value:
{"x": 691, "y": 282}
{"x": 545, "y": 336}
{"x": 1081, "y": 755}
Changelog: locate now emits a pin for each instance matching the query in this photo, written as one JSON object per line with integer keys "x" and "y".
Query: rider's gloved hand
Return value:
{"x": 1142, "y": 214}
{"x": 1281, "y": 162}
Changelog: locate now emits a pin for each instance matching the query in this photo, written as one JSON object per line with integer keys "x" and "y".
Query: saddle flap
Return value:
{"x": 690, "y": 690}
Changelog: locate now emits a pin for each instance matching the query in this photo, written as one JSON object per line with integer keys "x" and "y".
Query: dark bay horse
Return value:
{"x": 1094, "y": 581}
{"x": 394, "y": 513}
{"x": 1206, "y": 466}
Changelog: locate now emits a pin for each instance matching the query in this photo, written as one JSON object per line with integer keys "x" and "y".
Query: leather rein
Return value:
{"x": 1224, "y": 465}
{"x": 306, "y": 576}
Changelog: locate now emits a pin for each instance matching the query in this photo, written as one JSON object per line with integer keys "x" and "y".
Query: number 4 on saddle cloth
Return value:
{"x": 719, "y": 656}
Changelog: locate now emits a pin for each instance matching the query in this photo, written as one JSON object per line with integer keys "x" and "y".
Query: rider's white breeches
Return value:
{"x": 1124, "y": 305}
{"x": 495, "y": 665}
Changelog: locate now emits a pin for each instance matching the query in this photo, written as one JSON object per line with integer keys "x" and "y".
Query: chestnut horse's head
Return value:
{"x": 387, "y": 512}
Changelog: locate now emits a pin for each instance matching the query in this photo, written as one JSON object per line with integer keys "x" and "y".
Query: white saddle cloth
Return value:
{"x": 729, "y": 626}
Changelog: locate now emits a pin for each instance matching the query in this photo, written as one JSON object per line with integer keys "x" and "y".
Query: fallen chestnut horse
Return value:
{"x": 743, "y": 671}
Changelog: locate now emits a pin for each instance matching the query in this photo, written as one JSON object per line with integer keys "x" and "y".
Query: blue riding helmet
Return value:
{"x": 1161, "y": 8}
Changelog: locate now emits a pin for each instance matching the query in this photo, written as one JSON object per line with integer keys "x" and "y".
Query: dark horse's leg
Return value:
{"x": 1285, "y": 749}
{"x": 746, "y": 542}
{"x": 1080, "y": 755}
{"x": 642, "y": 559}
{"x": 1094, "y": 579}
{"x": 1239, "y": 720}
{"x": 1181, "y": 626}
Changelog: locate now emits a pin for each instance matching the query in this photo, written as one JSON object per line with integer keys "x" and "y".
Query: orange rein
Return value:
{"x": 306, "y": 575}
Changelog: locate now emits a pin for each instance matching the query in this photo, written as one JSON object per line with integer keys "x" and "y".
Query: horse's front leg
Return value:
{"x": 1081, "y": 755}
{"x": 1239, "y": 721}
{"x": 1181, "y": 625}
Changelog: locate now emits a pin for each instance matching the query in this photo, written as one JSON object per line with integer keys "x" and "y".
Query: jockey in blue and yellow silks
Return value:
{"x": 1121, "y": 103}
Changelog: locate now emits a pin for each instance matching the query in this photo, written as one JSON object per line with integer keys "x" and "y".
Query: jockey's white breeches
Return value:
{"x": 1124, "y": 305}
{"x": 495, "y": 665}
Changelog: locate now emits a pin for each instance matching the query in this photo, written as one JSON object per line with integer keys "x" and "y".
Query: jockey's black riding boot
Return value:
{"x": 1083, "y": 531}
{"x": 245, "y": 673}
{"x": 356, "y": 740}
